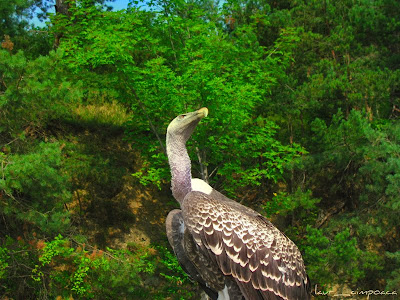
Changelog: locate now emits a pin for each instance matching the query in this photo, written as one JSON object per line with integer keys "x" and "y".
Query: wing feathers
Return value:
{"x": 245, "y": 245}
{"x": 224, "y": 263}
{"x": 176, "y": 236}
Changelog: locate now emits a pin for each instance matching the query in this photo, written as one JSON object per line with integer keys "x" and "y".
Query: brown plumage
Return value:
{"x": 230, "y": 250}
{"x": 245, "y": 245}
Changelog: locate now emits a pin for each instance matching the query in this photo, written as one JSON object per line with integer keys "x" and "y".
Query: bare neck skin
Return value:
{"x": 179, "y": 163}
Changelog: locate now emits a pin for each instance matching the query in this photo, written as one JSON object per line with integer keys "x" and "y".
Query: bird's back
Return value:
{"x": 261, "y": 259}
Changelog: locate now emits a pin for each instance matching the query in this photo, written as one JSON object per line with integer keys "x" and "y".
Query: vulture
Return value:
{"x": 232, "y": 251}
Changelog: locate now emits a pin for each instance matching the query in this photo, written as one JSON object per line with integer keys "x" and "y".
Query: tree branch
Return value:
{"x": 203, "y": 167}
{"x": 153, "y": 128}
{"x": 332, "y": 211}
{"x": 19, "y": 80}
{"x": 3, "y": 82}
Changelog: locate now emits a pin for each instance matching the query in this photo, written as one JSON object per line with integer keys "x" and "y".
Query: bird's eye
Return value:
{"x": 182, "y": 117}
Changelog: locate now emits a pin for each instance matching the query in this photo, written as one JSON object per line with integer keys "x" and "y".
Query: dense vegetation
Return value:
{"x": 304, "y": 100}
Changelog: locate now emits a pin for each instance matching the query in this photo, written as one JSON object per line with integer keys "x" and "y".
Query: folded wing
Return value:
{"x": 263, "y": 261}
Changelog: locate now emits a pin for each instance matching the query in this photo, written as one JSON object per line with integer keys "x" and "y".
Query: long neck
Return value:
{"x": 179, "y": 163}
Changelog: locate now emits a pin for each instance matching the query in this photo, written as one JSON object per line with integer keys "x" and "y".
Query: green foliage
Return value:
{"x": 65, "y": 268}
{"x": 316, "y": 66}
{"x": 365, "y": 158}
{"x": 337, "y": 258}
{"x": 35, "y": 188}
{"x": 3, "y": 262}
{"x": 95, "y": 274}
{"x": 15, "y": 27}
{"x": 230, "y": 78}
{"x": 205, "y": 68}
{"x": 177, "y": 279}
{"x": 393, "y": 282}
{"x": 33, "y": 93}
{"x": 297, "y": 202}
{"x": 260, "y": 155}
{"x": 358, "y": 161}
{"x": 106, "y": 114}
{"x": 278, "y": 77}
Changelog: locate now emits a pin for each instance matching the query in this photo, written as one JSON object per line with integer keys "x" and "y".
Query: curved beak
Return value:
{"x": 203, "y": 111}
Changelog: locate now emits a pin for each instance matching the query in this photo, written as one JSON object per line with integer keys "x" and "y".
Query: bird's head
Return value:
{"x": 183, "y": 125}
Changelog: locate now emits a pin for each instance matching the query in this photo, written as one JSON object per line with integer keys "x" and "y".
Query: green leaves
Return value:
{"x": 254, "y": 156}
{"x": 359, "y": 163}
{"x": 3, "y": 262}
{"x": 304, "y": 107}
{"x": 36, "y": 188}
{"x": 181, "y": 64}
{"x": 88, "y": 272}
{"x": 173, "y": 273}
{"x": 33, "y": 92}
{"x": 337, "y": 259}
{"x": 394, "y": 280}
{"x": 297, "y": 203}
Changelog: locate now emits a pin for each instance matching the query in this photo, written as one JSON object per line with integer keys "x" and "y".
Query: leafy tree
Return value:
{"x": 357, "y": 162}
{"x": 212, "y": 72}
{"x": 33, "y": 92}
{"x": 304, "y": 108}
{"x": 34, "y": 188}
{"x": 14, "y": 15}
{"x": 69, "y": 268}
{"x": 17, "y": 31}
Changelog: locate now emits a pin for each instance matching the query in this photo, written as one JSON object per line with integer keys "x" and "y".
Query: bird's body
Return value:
{"x": 232, "y": 251}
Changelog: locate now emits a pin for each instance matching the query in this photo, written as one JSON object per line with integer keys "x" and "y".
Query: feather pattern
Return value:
{"x": 247, "y": 247}
{"x": 229, "y": 249}
{"x": 184, "y": 247}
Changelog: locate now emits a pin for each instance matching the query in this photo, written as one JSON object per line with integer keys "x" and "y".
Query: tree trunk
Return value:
{"x": 62, "y": 8}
